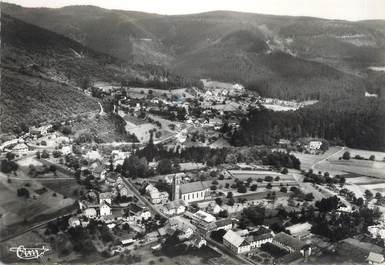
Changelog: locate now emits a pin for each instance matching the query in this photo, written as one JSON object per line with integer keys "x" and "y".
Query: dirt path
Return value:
{"x": 314, "y": 166}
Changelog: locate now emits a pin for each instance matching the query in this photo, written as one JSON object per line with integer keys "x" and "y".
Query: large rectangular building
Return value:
{"x": 190, "y": 192}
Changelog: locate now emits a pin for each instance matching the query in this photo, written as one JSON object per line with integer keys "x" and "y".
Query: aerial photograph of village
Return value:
{"x": 192, "y": 132}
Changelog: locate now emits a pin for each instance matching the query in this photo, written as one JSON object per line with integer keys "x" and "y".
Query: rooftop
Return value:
{"x": 205, "y": 216}
{"x": 288, "y": 240}
{"x": 175, "y": 204}
{"x": 223, "y": 222}
{"x": 299, "y": 228}
{"x": 375, "y": 257}
{"x": 105, "y": 195}
{"x": 233, "y": 238}
{"x": 255, "y": 238}
{"x": 193, "y": 187}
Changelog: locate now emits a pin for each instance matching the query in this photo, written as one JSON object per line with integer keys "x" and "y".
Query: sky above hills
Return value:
{"x": 332, "y": 9}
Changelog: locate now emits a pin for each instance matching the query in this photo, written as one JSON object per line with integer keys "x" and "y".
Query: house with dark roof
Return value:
{"x": 235, "y": 242}
{"x": 291, "y": 244}
{"x": 225, "y": 224}
{"x": 260, "y": 236}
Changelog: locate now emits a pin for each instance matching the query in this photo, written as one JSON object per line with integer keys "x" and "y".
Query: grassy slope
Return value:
{"x": 32, "y": 95}
{"x": 30, "y": 99}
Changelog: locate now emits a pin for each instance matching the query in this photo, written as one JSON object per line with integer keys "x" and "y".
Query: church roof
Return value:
{"x": 193, "y": 187}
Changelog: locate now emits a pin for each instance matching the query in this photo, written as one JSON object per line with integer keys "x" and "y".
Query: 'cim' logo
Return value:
{"x": 29, "y": 253}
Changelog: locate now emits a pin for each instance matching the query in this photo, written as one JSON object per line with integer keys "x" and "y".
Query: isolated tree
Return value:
{"x": 23, "y": 192}
{"x": 52, "y": 168}
{"x": 372, "y": 158}
{"x": 242, "y": 189}
{"x": 346, "y": 156}
{"x": 223, "y": 214}
{"x": 368, "y": 195}
{"x": 231, "y": 202}
{"x": 44, "y": 154}
{"x": 253, "y": 187}
{"x": 10, "y": 156}
{"x": 219, "y": 201}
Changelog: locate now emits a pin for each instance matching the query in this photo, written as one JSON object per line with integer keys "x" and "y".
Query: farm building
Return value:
{"x": 291, "y": 244}
{"x": 235, "y": 242}
{"x": 300, "y": 230}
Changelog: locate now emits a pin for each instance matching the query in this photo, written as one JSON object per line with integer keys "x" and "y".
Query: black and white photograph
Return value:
{"x": 205, "y": 132}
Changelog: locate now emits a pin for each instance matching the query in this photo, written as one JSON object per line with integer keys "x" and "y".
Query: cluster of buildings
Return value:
{"x": 243, "y": 244}
{"x": 156, "y": 196}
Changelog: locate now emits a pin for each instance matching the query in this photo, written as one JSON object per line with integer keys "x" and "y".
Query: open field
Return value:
{"x": 142, "y": 132}
{"x": 379, "y": 156}
{"x": 329, "y": 162}
{"x": 275, "y": 107}
{"x": 32, "y": 238}
{"x": 67, "y": 187}
{"x": 18, "y": 213}
{"x": 102, "y": 127}
{"x": 308, "y": 160}
{"x": 362, "y": 167}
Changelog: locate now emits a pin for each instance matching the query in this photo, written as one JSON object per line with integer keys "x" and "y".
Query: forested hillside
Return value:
{"x": 279, "y": 56}
{"x": 358, "y": 123}
{"x": 43, "y": 74}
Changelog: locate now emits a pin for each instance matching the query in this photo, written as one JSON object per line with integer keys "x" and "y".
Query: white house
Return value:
{"x": 90, "y": 213}
{"x": 74, "y": 221}
{"x": 105, "y": 201}
{"x": 93, "y": 156}
{"x": 187, "y": 232}
{"x": 369, "y": 95}
{"x": 105, "y": 209}
{"x": 206, "y": 217}
{"x": 300, "y": 230}
{"x": 155, "y": 195}
{"x": 175, "y": 207}
{"x": 20, "y": 149}
{"x": 214, "y": 208}
{"x": 315, "y": 145}
{"x": 66, "y": 150}
{"x": 375, "y": 259}
{"x": 377, "y": 231}
{"x": 235, "y": 242}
